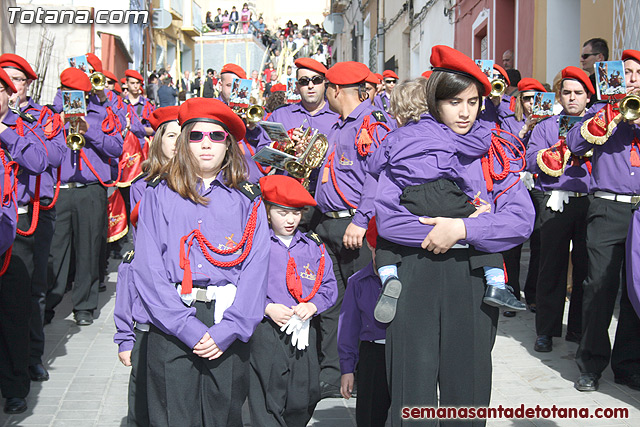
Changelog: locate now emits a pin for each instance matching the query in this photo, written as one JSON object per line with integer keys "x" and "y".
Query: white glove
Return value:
{"x": 224, "y": 296}
{"x": 303, "y": 337}
{"x": 527, "y": 179}
{"x": 557, "y": 200}
{"x": 188, "y": 299}
{"x": 299, "y": 331}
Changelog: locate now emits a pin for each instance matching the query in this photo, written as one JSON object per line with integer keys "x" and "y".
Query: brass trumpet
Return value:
{"x": 311, "y": 158}
{"x": 630, "y": 107}
{"x": 498, "y": 87}
{"x": 252, "y": 114}
{"x": 98, "y": 81}
{"x": 75, "y": 140}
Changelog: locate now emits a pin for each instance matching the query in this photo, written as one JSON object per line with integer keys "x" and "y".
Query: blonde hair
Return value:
{"x": 409, "y": 101}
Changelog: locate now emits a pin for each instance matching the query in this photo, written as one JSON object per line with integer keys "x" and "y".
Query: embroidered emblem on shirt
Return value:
{"x": 308, "y": 274}
{"x": 344, "y": 161}
{"x": 478, "y": 201}
{"x": 230, "y": 243}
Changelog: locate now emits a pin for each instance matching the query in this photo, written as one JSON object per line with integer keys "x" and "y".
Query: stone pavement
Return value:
{"x": 88, "y": 385}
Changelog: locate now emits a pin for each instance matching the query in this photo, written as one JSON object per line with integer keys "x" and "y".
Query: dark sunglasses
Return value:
{"x": 527, "y": 98}
{"x": 390, "y": 81}
{"x": 316, "y": 80}
{"x": 214, "y": 135}
{"x": 587, "y": 55}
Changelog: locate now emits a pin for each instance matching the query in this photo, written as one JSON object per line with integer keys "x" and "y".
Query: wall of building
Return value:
{"x": 596, "y": 20}
{"x": 563, "y": 37}
{"x": 433, "y": 28}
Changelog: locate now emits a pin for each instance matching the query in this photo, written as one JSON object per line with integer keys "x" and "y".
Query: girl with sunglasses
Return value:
{"x": 201, "y": 248}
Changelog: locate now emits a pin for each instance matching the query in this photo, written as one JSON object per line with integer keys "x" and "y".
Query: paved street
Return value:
{"x": 88, "y": 385}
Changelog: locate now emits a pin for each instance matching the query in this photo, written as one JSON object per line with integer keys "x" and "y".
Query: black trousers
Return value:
{"x": 557, "y": 231}
{"x": 373, "y": 401}
{"x": 80, "y": 223}
{"x": 607, "y": 226}
{"x": 138, "y": 414}
{"x": 283, "y": 381}
{"x": 439, "y": 344}
{"x": 42, "y": 247}
{"x": 531, "y": 281}
{"x": 15, "y": 310}
{"x": 345, "y": 263}
{"x": 512, "y": 267}
{"x": 184, "y": 389}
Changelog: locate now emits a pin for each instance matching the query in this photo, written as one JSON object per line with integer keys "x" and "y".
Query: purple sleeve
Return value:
{"x": 349, "y": 325}
{"x": 241, "y": 319}
{"x": 8, "y": 220}
{"x": 158, "y": 296}
{"x": 125, "y": 335}
{"x": 366, "y": 208}
{"x": 56, "y": 146}
{"x": 537, "y": 142}
{"x": 575, "y": 141}
{"x": 328, "y": 292}
{"x": 106, "y": 145}
{"x": 28, "y": 151}
{"x": 633, "y": 261}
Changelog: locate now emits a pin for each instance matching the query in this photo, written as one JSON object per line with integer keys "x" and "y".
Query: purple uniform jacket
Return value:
{"x": 137, "y": 189}
{"x": 491, "y": 113}
{"x": 574, "y": 178}
{"x": 164, "y": 218}
{"x": 510, "y": 221}
{"x": 612, "y": 170}
{"x": 351, "y": 169}
{"x": 99, "y": 147}
{"x": 138, "y": 122}
{"x": 29, "y": 151}
{"x": 356, "y": 317}
{"x": 633, "y": 261}
{"x": 306, "y": 253}
{"x": 8, "y": 213}
{"x": 382, "y": 101}
{"x": 118, "y": 106}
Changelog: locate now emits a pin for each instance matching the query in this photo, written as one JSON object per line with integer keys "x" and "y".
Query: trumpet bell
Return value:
{"x": 98, "y": 81}
{"x": 254, "y": 114}
{"x": 498, "y": 87}
{"x": 630, "y": 107}
{"x": 75, "y": 141}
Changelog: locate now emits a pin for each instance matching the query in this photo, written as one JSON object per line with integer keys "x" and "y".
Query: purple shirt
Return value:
{"x": 128, "y": 309}
{"x": 164, "y": 218}
{"x": 136, "y": 190}
{"x": 574, "y": 178}
{"x": 306, "y": 254}
{"x": 509, "y": 223}
{"x": 99, "y": 147}
{"x": 8, "y": 213}
{"x": 29, "y": 151}
{"x": 493, "y": 114}
{"x": 382, "y": 101}
{"x": 351, "y": 169}
{"x": 356, "y": 317}
{"x": 612, "y": 170}
{"x": 633, "y": 261}
{"x": 138, "y": 122}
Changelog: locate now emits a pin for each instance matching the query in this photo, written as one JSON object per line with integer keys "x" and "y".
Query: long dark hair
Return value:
{"x": 182, "y": 170}
{"x": 156, "y": 160}
{"x": 444, "y": 85}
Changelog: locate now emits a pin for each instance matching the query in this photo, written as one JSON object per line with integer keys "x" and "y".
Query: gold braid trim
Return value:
{"x": 599, "y": 140}
{"x": 546, "y": 169}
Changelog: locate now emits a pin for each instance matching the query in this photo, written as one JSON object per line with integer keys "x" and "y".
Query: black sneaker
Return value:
{"x": 544, "y": 344}
{"x": 387, "y": 303}
{"x": 497, "y": 297}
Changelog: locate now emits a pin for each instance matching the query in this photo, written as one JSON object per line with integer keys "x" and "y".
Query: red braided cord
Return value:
{"x": 294, "y": 283}
{"x": 83, "y": 156}
{"x": 6, "y": 200}
{"x": 147, "y": 110}
{"x": 5, "y": 263}
{"x": 365, "y": 149}
{"x": 36, "y": 211}
{"x": 111, "y": 124}
{"x": 55, "y": 194}
{"x": 335, "y": 182}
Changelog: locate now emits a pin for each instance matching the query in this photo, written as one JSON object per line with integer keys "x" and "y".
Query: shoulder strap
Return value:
{"x": 249, "y": 189}
{"x": 128, "y": 257}
{"x": 155, "y": 181}
{"x": 379, "y": 115}
{"x": 313, "y": 236}
{"x": 139, "y": 177}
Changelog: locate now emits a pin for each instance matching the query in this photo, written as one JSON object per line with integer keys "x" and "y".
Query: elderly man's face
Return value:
{"x": 507, "y": 60}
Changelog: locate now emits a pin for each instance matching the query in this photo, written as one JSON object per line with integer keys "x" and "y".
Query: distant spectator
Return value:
{"x": 167, "y": 93}
{"x": 195, "y": 87}
{"x": 225, "y": 22}
{"x": 593, "y": 50}
{"x": 306, "y": 30}
{"x": 218, "y": 20}
{"x": 259, "y": 27}
{"x": 273, "y": 80}
{"x": 208, "y": 85}
{"x": 289, "y": 75}
{"x": 209, "y": 21}
{"x": 152, "y": 88}
{"x": 268, "y": 70}
{"x": 257, "y": 85}
{"x": 320, "y": 56}
{"x": 245, "y": 18}
{"x": 299, "y": 41}
{"x": 287, "y": 29}
{"x": 507, "y": 60}
{"x": 233, "y": 19}
{"x": 274, "y": 101}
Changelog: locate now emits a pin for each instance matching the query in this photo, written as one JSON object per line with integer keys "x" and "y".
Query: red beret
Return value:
{"x": 117, "y": 87}
{"x": 631, "y": 54}
{"x": 7, "y": 80}
{"x": 529, "y": 84}
{"x": 14, "y": 61}
{"x": 503, "y": 73}
{"x": 134, "y": 75}
{"x": 123, "y": 81}
{"x": 95, "y": 62}
{"x": 575, "y": 73}
{"x": 389, "y": 73}
{"x": 73, "y": 78}
{"x": 427, "y": 74}
{"x": 212, "y": 111}
{"x": 311, "y": 64}
{"x": 445, "y": 58}
{"x": 163, "y": 115}
{"x": 285, "y": 191}
{"x": 372, "y": 232}
{"x": 371, "y": 78}
{"x": 234, "y": 69}
{"x": 278, "y": 87}
{"x": 378, "y": 75}
{"x": 347, "y": 73}
{"x": 108, "y": 74}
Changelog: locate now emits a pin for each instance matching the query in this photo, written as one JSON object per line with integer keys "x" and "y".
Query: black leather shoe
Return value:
{"x": 497, "y": 297}
{"x": 532, "y": 307}
{"x": 509, "y": 313}
{"x": 83, "y": 318}
{"x": 631, "y": 381}
{"x": 48, "y": 316}
{"x": 573, "y": 337}
{"x": 15, "y": 405}
{"x": 387, "y": 303}
{"x": 544, "y": 344}
{"x": 587, "y": 382}
{"x": 329, "y": 391}
{"x": 102, "y": 287}
{"x": 38, "y": 372}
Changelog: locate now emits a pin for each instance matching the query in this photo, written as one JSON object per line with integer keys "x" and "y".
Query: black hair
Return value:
{"x": 514, "y": 77}
{"x": 598, "y": 45}
{"x": 209, "y": 70}
{"x": 444, "y": 85}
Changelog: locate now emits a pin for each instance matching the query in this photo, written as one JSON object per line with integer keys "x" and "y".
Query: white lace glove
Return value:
{"x": 527, "y": 179}
{"x": 557, "y": 200}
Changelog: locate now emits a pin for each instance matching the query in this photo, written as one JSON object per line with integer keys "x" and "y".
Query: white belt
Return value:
{"x": 347, "y": 213}
{"x": 73, "y": 185}
{"x": 144, "y": 327}
{"x": 625, "y": 198}
{"x": 570, "y": 193}
{"x": 382, "y": 341}
{"x": 23, "y": 210}
{"x": 460, "y": 246}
